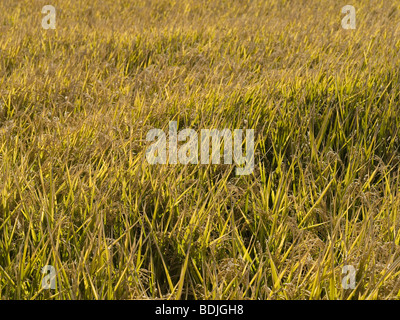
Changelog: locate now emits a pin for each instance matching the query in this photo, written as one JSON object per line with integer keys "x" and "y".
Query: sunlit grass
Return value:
{"x": 77, "y": 193}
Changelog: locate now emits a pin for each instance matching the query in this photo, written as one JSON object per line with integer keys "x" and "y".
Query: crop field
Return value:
{"x": 318, "y": 216}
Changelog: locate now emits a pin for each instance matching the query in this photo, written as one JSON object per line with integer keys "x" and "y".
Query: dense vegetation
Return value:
{"x": 77, "y": 193}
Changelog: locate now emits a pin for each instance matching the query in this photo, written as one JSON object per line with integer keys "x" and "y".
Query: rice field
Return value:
{"x": 76, "y": 190}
